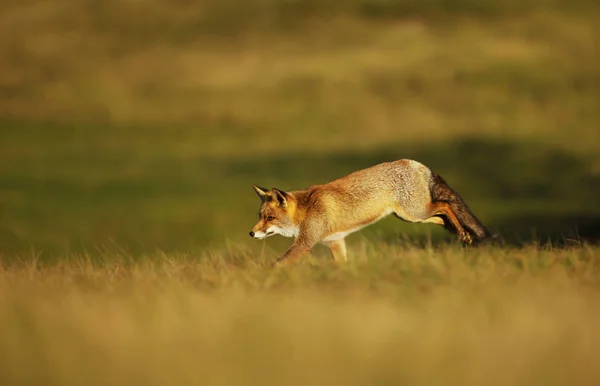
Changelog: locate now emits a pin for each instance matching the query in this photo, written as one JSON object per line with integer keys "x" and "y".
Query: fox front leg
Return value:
{"x": 338, "y": 250}
{"x": 307, "y": 239}
{"x": 294, "y": 253}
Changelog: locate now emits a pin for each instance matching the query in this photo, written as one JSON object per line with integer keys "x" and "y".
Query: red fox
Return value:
{"x": 329, "y": 212}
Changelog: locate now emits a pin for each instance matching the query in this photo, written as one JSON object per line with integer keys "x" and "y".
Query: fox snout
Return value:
{"x": 261, "y": 234}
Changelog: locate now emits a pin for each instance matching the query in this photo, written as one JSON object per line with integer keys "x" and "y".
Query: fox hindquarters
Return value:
{"x": 329, "y": 212}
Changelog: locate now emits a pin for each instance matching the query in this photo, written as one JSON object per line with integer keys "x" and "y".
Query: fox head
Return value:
{"x": 276, "y": 214}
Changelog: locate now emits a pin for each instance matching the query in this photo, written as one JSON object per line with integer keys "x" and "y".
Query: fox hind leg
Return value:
{"x": 444, "y": 209}
{"x": 448, "y": 225}
{"x": 435, "y": 220}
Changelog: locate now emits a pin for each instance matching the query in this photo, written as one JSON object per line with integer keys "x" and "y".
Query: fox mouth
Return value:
{"x": 263, "y": 236}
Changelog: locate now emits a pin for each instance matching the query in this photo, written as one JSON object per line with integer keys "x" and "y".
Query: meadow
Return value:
{"x": 131, "y": 133}
{"x": 397, "y": 315}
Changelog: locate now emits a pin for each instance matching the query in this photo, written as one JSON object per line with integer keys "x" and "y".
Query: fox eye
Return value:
{"x": 270, "y": 218}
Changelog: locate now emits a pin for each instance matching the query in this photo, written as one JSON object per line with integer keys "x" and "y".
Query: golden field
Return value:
{"x": 394, "y": 315}
{"x": 131, "y": 133}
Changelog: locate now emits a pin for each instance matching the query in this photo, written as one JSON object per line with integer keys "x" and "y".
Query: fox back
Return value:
{"x": 327, "y": 213}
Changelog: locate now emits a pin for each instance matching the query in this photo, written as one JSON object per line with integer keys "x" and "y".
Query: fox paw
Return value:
{"x": 466, "y": 238}
{"x": 279, "y": 263}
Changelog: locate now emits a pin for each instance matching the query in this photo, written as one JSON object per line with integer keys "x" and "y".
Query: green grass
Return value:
{"x": 66, "y": 188}
{"x": 147, "y": 132}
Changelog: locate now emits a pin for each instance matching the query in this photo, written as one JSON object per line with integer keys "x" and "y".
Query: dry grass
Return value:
{"x": 394, "y": 315}
{"x": 164, "y": 112}
{"x": 343, "y": 79}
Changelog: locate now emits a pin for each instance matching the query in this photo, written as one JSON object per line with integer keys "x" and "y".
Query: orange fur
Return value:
{"x": 327, "y": 213}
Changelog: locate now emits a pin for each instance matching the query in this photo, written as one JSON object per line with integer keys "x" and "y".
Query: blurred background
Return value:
{"x": 142, "y": 124}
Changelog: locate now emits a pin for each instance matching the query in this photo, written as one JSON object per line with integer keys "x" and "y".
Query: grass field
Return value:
{"x": 397, "y": 315}
{"x": 131, "y": 133}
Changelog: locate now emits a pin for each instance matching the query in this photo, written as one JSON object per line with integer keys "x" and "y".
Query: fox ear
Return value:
{"x": 262, "y": 192}
{"x": 280, "y": 196}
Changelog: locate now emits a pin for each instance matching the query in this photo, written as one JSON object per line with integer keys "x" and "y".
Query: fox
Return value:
{"x": 327, "y": 213}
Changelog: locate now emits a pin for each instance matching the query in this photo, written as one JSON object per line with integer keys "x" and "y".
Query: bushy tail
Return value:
{"x": 441, "y": 191}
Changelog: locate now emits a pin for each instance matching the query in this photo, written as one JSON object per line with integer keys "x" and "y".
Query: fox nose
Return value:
{"x": 251, "y": 234}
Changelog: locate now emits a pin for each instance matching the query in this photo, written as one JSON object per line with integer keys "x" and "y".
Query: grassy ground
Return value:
{"x": 394, "y": 315}
{"x": 130, "y": 136}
